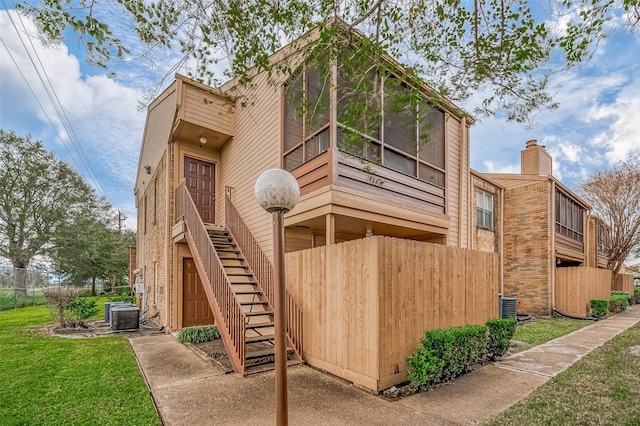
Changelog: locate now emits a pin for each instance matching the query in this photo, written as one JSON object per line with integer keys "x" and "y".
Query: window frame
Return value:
{"x": 481, "y": 212}
{"x": 569, "y": 217}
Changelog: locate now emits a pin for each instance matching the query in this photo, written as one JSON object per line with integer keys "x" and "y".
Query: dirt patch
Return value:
{"x": 96, "y": 329}
{"x": 517, "y": 346}
{"x": 635, "y": 350}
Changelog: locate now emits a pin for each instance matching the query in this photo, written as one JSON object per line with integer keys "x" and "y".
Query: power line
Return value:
{"x": 57, "y": 105}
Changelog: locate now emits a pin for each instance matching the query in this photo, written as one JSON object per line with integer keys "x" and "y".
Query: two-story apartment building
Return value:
{"x": 365, "y": 167}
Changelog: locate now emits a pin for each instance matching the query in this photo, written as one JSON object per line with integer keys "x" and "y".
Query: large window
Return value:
{"x": 379, "y": 119}
{"x": 602, "y": 238}
{"x": 306, "y": 117}
{"x": 569, "y": 217}
{"x": 382, "y": 120}
{"x": 484, "y": 209}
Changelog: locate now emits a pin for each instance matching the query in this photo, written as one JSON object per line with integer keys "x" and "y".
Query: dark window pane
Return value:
{"x": 356, "y": 144}
{"x": 399, "y": 162}
{"x": 293, "y": 113}
{"x": 317, "y": 145}
{"x": 431, "y": 175}
{"x": 431, "y": 138}
{"x": 359, "y": 98}
{"x": 317, "y": 102}
{"x": 399, "y": 117}
{"x": 293, "y": 159}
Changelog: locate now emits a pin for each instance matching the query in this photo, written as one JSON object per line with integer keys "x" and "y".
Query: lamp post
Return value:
{"x": 277, "y": 192}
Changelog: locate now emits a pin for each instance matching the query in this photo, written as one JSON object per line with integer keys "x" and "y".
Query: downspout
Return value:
{"x": 552, "y": 251}
{"x": 170, "y": 219}
{"x": 463, "y": 145}
{"x": 501, "y": 274}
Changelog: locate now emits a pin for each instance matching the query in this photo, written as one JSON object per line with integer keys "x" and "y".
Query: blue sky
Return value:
{"x": 596, "y": 125}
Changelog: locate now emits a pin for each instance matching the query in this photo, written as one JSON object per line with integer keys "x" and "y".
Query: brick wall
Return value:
{"x": 152, "y": 225}
{"x": 486, "y": 239}
{"x": 527, "y": 245}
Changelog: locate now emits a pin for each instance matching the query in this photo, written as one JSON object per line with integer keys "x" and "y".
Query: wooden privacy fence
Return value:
{"x": 368, "y": 302}
{"x": 624, "y": 282}
{"x": 576, "y": 286}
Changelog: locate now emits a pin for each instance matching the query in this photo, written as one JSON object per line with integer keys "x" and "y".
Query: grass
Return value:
{"x": 8, "y": 301}
{"x": 542, "y": 330}
{"x": 603, "y": 388}
{"x": 51, "y": 380}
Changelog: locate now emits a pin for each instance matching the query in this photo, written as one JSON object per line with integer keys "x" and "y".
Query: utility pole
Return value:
{"x": 121, "y": 218}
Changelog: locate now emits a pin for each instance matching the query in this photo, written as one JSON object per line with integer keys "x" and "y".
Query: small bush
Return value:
{"x": 446, "y": 353}
{"x": 500, "y": 333}
{"x": 198, "y": 334}
{"x": 599, "y": 307}
{"x": 122, "y": 290}
{"x": 83, "y": 309}
{"x": 122, "y": 298}
{"x": 622, "y": 297}
{"x": 615, "y": 306}
{"x": 636, "y": 295}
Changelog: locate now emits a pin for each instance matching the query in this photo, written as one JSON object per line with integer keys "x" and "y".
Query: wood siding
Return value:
{"x": 205, "y": 109}
{"x": 576, "y": 286}
{"x": 390, "y": 184}
{"x": 314, "y": 174}
{"x": 254, "y": 149}
{"x": 368, "y": 302}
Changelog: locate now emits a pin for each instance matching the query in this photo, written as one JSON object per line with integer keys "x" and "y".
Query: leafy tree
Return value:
{"x": 499, "y": 47}
{"x": 614, "y": 196}
{"x": 38, "y": 194}
{"x": 90, "y": 248}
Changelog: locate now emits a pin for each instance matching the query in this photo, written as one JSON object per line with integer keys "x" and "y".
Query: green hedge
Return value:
{"x": 198, "y": 334}
{"x": 599, "y": 307}
{"x": 500, "y": 333}
{"x": 622, "y": 297}
{"x": 446, "y": 353}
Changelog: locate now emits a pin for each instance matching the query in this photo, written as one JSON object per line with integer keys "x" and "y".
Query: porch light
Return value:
{"x": 277, "y": 192}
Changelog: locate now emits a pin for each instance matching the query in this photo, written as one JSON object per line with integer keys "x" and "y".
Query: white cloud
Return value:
{"x": 102, "y": 112}
{"x": 491, "y": 167}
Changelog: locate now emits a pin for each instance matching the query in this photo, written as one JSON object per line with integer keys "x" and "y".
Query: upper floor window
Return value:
{"x": 569, "y": 217}
{"x": 378, "y": 118}
{"x": 484, "y": 209}
{"x": 602, "y": 237}
{"x": 306, "y": 104}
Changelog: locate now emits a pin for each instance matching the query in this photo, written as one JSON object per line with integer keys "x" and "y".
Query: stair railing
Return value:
{"x": 224, "y": 305}
{"x": 262, "y": 269}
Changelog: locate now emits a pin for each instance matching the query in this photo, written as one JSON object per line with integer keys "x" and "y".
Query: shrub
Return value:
{"x": 122, "y": 290}
{"x": 599, "y": 307}
{"x": 198, "y": 334}
{"x": 58, "y": 301}
{"x": 122, "y": 298}
{"x": 500, "y": 333}
{"x": 446, "y": 353}
{"x": 636, "y": 295}
{"x": 83, "y": 309}
{"x": 622, "y": 297}
{"x": 615, "y": 306}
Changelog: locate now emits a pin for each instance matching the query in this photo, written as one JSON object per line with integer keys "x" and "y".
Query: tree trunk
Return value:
{"x": 20, "y": 282}
{"x": 93, "y": 286}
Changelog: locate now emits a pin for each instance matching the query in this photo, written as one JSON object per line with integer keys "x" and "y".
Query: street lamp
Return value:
{"x": 277, "y": 192}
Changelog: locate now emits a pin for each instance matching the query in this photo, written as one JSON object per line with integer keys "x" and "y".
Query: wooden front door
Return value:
{"x": 195, "y": 306}
{"x": 200, "y": 179}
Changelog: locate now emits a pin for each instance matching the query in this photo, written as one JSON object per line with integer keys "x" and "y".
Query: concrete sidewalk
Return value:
{"x": 191, "y": 391}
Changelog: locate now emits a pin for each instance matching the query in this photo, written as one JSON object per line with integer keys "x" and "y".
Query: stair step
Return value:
{"x": 259, "y": 325}
{"x": 238, "y": 274}
{"x": 257, "y": 314}
{"x": 264, "y": 338}
{"x": 257, "y": 302}
{"x": 223, "y": 244}
{"x": 245, "y": 292}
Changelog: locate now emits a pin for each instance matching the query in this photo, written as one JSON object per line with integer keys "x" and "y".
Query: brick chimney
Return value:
{"x": 535, "y": 160}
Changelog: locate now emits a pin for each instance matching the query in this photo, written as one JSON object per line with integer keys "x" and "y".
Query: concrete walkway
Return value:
{"x": 191, "y": 391}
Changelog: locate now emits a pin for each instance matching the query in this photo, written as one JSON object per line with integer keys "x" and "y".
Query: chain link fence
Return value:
{"x": 23, "y": 287}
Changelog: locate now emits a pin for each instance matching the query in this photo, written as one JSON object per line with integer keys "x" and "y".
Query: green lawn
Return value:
{"x": 603, "y": 388}
{"x": 8, "y": 300}
{"x": 56, "y": 381}
{"x": 542, "y": 330}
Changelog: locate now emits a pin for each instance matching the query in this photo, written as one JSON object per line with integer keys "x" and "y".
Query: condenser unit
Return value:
{"x": 508, "y": 308}
{"x": 107, "y": 309}
{"x": 125, "y": 317}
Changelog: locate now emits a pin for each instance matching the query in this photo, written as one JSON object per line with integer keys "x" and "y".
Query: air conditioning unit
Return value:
{"x": 125, "y": 317}
{"x": 107, "y": 309}
{"x": 509, "y": 307}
